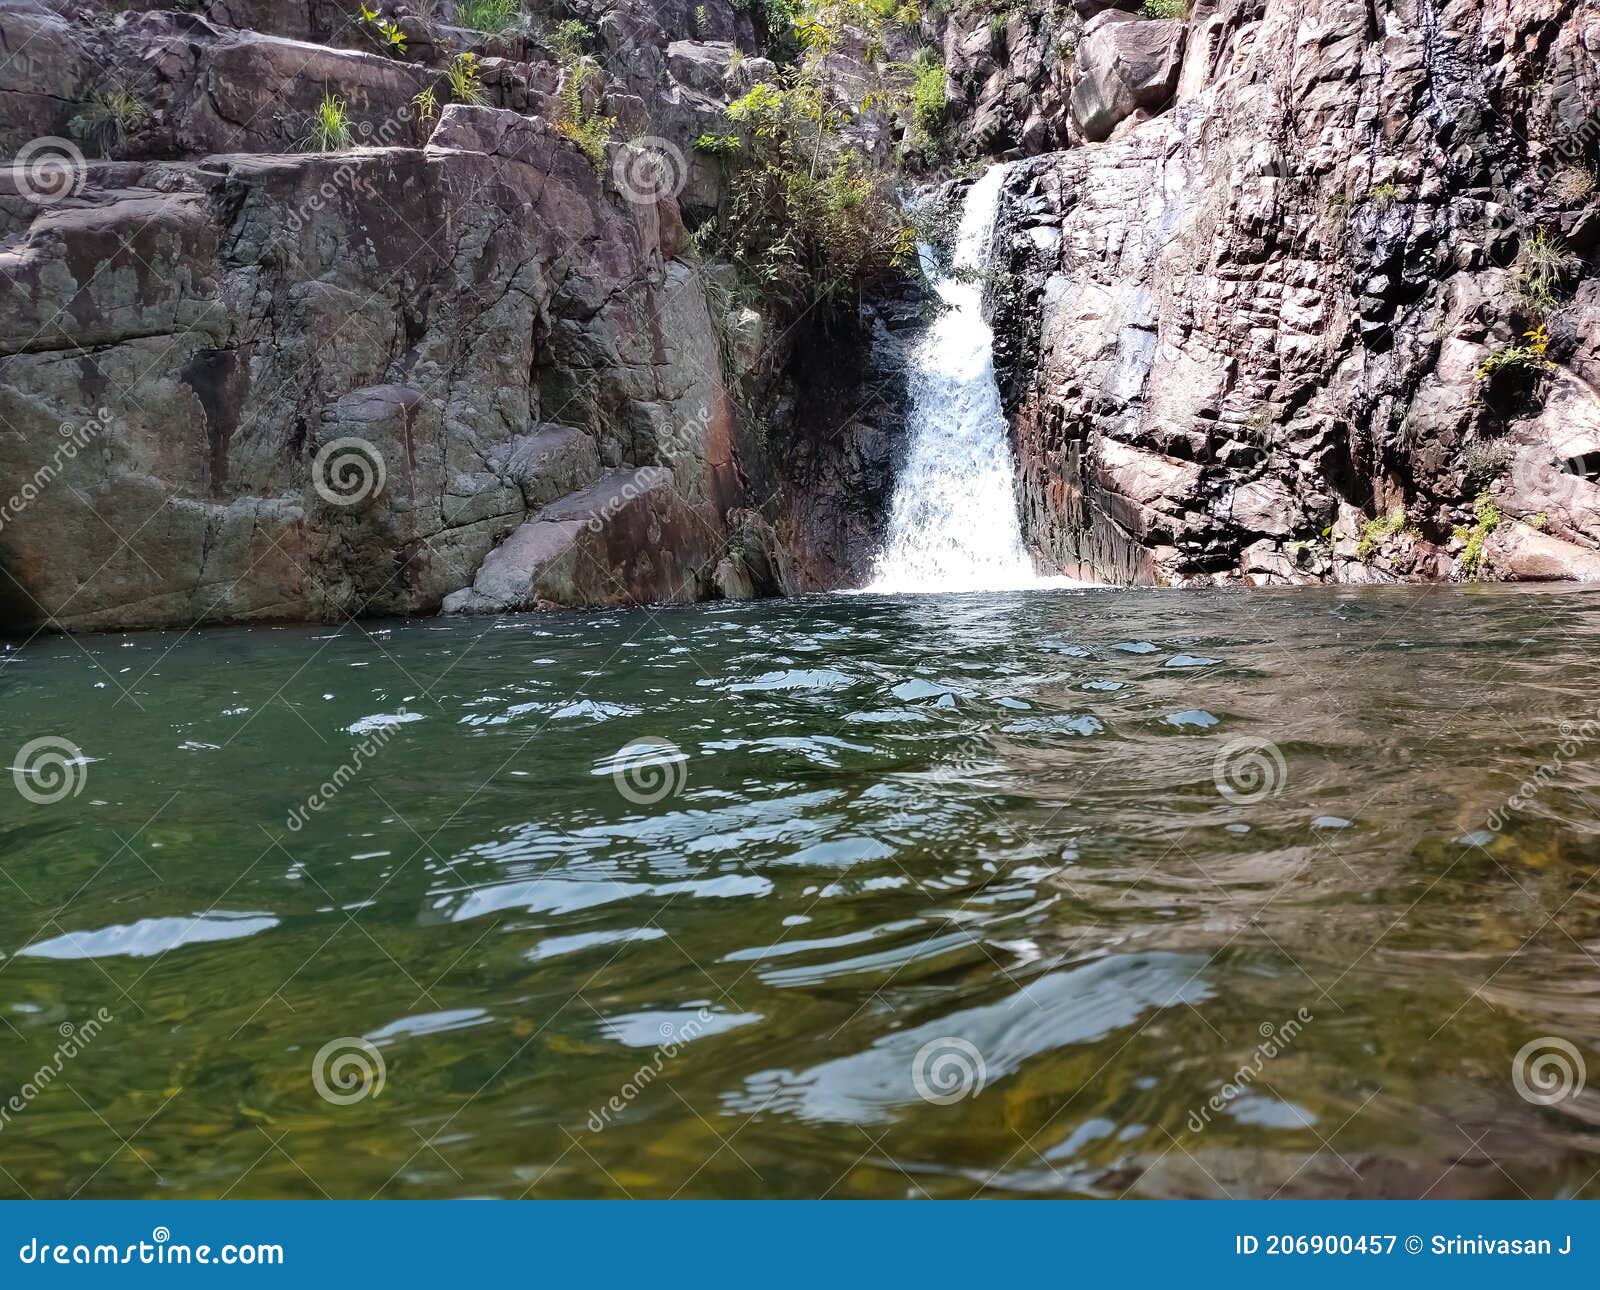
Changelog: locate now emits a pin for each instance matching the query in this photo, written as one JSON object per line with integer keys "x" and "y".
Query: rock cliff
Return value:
{"x": 1304, "y": 291}
{"x": 449, "y": 358}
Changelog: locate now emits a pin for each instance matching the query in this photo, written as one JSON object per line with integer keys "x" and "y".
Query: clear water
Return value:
{"x": 892, "y": 826}
{"x": 953, "y": 520}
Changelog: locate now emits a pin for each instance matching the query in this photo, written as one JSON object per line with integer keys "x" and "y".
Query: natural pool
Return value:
{"x": 928, "y": 895}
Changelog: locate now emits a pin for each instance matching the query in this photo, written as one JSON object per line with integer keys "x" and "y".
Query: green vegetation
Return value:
{"x": 1486, "y": 520}
{"x": 927, "y": 92}
{"x": 726, "y": 146}
{"x": 465, "y": 87}
{"x": 328, "y": 128}
{"x": 1165, "y": 8}
{"x": 590, "y": 130}
{"x": 1375, "y": 532}
{"x": 491, "y": 17}
{"x": 804, "y": 217}
{"x": 568, "y": 40}
{"x": 1529, "y": 357}
{"x": 388, "y": 36}
{"x": 1383, "y": 195}
{"x": 924, "y": 139}
{"x": 1258, "y": 427}
{"x": 427, "y": 104}
{"x": 997, "y": 34}
{"x": 1543, "y": 265}
{"x": 109, "y": 119}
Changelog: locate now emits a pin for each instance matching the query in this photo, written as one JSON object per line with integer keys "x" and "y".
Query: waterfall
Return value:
{"x": 953, "y": 522}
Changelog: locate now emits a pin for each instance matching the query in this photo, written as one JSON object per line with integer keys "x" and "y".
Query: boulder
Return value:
{"x": 1124, "y": 64}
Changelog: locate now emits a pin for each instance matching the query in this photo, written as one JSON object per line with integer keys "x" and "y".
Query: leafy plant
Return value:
{"x": 590, "y": 130}
{"x": 568, "y": 40}
{"x": 805, "y": 219}
{"x": 109, "y": 119}
{"x": 389, "y": 36}
{"x": 1383, "y": 195}
{"x": 1165, "y": 8}
{"x": 927, "y": 92}
{"x": 465, "y": 87}
{"x": 1530, "y": 357}
{"x": 719, "y": 145}
{"x": 488, "y": 16}
{"x": 328, "y": 128}
{"x": 1258, "y": 427}
{"x": 427, "y": 104}
{"x": 1486, "y": 519}
{"x": 1375, "y": 532}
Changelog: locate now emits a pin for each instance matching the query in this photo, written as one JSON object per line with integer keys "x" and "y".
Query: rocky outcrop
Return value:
{"x": 1124, "y": 66}
{"x": 452, "y": 362}
{"x": 329, "y": 384}
{"x": 1289, "y": 327}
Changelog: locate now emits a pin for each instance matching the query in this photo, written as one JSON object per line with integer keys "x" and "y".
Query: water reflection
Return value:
{"x": 1068, "y": 852}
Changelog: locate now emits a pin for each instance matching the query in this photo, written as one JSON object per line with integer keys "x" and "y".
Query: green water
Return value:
{"x": 936, "y": 896}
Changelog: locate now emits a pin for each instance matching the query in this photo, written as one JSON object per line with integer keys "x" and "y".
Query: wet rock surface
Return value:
{"x": 1298, "y": 313}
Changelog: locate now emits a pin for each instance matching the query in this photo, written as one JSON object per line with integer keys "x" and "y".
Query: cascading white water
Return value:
{"x": 953, "y": 523}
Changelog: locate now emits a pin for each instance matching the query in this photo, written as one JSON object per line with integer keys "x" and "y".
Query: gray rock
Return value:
{"x": 1124, "y": 64}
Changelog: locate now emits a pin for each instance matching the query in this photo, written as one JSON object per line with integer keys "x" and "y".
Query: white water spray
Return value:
{"x": 953, "y": 524}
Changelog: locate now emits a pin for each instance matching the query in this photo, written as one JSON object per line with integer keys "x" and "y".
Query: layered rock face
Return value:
{"x": 454, "y": 363}
{"x": 1309, "y": 295}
